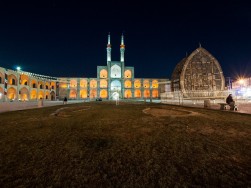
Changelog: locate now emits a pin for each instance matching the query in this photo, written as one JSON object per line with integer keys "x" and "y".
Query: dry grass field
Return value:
{"x": 99, "y": 144}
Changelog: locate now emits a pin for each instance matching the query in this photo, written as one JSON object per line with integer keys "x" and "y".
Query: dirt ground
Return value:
{"x": 133, "y": 144}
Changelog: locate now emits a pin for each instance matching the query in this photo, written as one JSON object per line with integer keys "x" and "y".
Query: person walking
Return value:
{"x": 65, "y": 100}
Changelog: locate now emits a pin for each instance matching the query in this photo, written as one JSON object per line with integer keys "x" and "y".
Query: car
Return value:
{"x": 99, "y": 99}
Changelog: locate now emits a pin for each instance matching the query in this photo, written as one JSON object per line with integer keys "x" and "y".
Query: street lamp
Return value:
{"x": 18, "y": 68}
{"x": 241, "y": 81}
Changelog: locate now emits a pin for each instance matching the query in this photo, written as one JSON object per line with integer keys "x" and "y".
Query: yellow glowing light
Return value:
{"x": 241, "y": 81}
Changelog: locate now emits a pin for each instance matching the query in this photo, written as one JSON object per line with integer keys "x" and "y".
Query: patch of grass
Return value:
{"x": 120, "y": 146}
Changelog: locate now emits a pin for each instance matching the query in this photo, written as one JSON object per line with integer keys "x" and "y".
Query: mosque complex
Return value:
{"x": 199, "y": 71}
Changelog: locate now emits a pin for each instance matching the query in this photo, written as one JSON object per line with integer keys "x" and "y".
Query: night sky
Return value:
{"x": 68, "y": 38}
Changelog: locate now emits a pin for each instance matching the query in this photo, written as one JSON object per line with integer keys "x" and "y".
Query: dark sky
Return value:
{"x": 68, "y": 38}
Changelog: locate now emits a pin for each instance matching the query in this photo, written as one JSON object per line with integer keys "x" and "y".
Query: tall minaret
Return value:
{"x": 109, "y": 48}
{"x": 122, "y": 49}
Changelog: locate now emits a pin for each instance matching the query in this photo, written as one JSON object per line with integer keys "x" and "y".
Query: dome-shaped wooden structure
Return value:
{"x": 199, "y": 72}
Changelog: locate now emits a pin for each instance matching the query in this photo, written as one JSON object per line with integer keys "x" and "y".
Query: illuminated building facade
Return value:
{"x": 113, "y": 81}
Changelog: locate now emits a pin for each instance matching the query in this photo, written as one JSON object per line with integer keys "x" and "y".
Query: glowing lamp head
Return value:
{"x": 241, "y": 81}
{"x": 18, "y": 68}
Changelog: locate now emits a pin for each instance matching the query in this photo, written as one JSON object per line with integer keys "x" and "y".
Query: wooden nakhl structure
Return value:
{"x": 198, "y": 75}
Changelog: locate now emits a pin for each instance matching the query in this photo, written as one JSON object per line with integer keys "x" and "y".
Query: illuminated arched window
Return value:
{"x": 128, "y": 84}
{"x": 73, "y": 94}
{"x": 147, "y": 93}
{"x": 116, "y": 71}
{"x": 103, "y": 73}
{"x": 146, "y": 84}
{"x": 47, "y": 95}
{"x": 128, "y": 74}
{"x": 116, "y": 85}
{"x": 155, "y": 93}
{"x": 40, "y": 95}
{"x": 128, "y": 93}
{"x": 83, "y": 93}
{"x": 93, "y": 83}
{"x": 24, "y": 93}
{"x": 73, "y": 83}
{"x": 103, "y": 93}
{"x": 155, "y": 84}
{"x": 33, "y": 83}
{"x": 137, "y": 93}
{"x": 33, "y": 94}
{"x": 137, "y": 84}
{"x": 83, "y": 83}
{"x": 12, "y": 93}
{"x": 93, "y": 93}
{"x": 103, "y": 84}
{"x": 12, "y": 80}
{"x": 24, "y": 79}
{"x": 53, "y": 85}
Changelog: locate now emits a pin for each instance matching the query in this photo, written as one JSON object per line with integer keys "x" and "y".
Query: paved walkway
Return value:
{"x": 13, "y": 106}
{"x": 243, "y": 106}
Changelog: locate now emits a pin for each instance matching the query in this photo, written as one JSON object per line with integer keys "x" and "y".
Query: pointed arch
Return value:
{"x": 83, "y": 93}
{"x": 115, "y": 71}
{"x": 146, "y": 84}
{"x": 128, "y": 74}
{"x": 93, "y": 83}
{"x": 83, "y": 83}
{"x": 93, "y": 93}
{"x": 116, "y": 85}
{"x": 155, "y": 93}
{"x": 24, "y": 94}
{"x": 137, "y": 84}
{"x": 146, "y": 93}
{"x": 73, "y": 94}
{"x": 128, "y": 94}
{"x": 12, "y": 93}
{"x": 155, "y": 84}
{"x": 40, "y": 95}
{"x": 12, "y": 79}
{"x": 103, "y": 83}
{"x": 73, "y": 83}
{"x": 128, "y": 84}
{"x": 33, "y": 94}
{"x": 103, "y": 73}
{"x": 137, "y": 93}
{"x": 103, "y": 93}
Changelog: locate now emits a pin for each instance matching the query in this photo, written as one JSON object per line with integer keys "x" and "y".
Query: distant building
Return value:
{"x": 242, "y": 87}
{"x": 114, "y": 80}
{"x": 198, "y": 75}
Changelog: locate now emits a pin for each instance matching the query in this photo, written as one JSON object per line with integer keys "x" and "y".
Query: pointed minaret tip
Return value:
{"x": 122, "y": 39}
{"x": 199, "y": 44}
{"x": 109, "y": 41}
{"x": 122, "y": 45}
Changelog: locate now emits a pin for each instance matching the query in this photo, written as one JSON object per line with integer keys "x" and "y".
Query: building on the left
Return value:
{"x": 24, "y": 86}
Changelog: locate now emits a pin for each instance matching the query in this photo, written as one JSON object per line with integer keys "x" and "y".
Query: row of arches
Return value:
{"x": 104, "y": 84}
{"x": 104, "y": 74}
{"x": 103, "y": 93}
{"x": 25, "y": 80}
{"x": 24, "y": 94}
